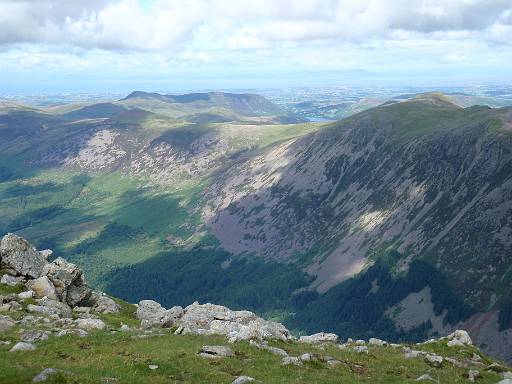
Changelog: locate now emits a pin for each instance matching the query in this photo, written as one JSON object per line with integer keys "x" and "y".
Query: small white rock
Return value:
{"x": 44, "y": 375}
{"x": 291, "y": 361}
{"x": 473, "y": 374}
{"x": 153, "y": 367}
{"x": 26, "y": 295}
{"x": 242, "y": 380}
{"x": 21, "y": 346}
{"x": 361, "y": 349}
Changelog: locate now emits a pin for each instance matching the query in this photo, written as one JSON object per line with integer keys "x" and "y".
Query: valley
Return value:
{"x": 350, "y": 226}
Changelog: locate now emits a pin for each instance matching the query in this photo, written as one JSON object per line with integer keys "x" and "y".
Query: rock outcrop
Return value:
{"x": 211, "y": 319}
{"x": 58, "y": 285}
{"x": 236, "y": 325}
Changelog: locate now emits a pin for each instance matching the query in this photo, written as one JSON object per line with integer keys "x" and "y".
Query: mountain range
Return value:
{"x": 394, "y": 222}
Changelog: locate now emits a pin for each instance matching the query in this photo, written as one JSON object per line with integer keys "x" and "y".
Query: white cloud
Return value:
{"x": 168, "y": 24}
{"x": 200, "y": 56}
{"x": 245, "y": 38}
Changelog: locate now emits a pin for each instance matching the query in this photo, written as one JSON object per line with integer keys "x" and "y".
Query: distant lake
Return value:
{"x": 319, "y": 120}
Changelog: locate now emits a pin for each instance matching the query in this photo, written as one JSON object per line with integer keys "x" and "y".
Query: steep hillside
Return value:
{"x": 420, "y": 180}
{"x": 55, "y": 329}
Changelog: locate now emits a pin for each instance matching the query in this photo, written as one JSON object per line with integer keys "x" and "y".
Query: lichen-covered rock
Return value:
{"x": 473, "y": 374}
{"x": 317, "y": 338}
{"x": 291, "y": 360}
{"x": 26, "y": 295}
{"x": 19, "y": 255}
{"x": 33, "y": 335}
{"x": 69, "y": 282}
{"x": 361, "y": 349}
{"x": 78, "y": 332}
{"x": 150, "y": 313}
{"x": 434, "y": 360}
{"x": 375, "y": 341}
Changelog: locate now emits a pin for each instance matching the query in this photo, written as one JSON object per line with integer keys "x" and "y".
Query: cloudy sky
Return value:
{"x": 85, "y": 45}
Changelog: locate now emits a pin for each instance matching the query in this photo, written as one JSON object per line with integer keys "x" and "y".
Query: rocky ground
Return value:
{"x": 55, "y": 328}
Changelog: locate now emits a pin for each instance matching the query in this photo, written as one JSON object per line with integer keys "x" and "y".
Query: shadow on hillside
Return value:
{"x": 208, "y": 275}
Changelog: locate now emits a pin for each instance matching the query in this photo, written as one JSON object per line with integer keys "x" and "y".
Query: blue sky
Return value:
{"x": 119, "y": 45}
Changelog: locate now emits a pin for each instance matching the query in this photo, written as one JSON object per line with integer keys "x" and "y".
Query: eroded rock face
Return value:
{"x": 19, "y": 255}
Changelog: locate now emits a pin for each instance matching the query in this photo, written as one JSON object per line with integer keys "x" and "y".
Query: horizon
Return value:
{"x": 122, "y": 45}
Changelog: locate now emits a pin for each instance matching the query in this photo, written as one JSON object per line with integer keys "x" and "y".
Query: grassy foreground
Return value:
{"x": 112, "y": 356}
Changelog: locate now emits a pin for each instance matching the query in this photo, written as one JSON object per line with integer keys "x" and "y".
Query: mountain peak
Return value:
{"x": 435, "y": 98}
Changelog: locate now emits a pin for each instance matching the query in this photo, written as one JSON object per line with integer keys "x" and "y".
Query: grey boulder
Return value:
{"x": 152, "y": 314}
{"x": 19, "y": 255}
{"x": 215, "y": 351}
{"x": 319, "y": 338}
{"x": 69, "y": 282}
{"x": 103, "y": 303}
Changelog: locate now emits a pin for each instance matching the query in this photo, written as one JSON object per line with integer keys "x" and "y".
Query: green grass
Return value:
{"x": 7, "y": 289}
{"x": 103, "y": 356}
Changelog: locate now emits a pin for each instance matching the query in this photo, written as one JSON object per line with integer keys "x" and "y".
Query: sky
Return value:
{"x": 121, "y": 45}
